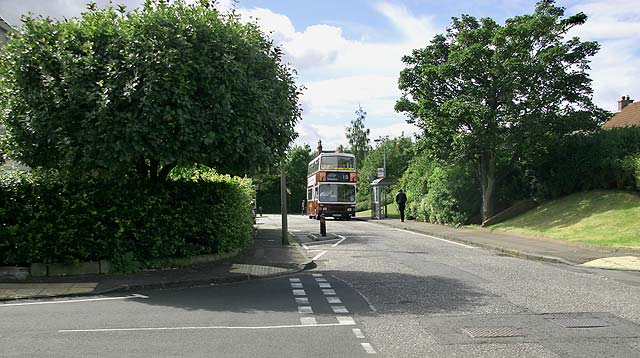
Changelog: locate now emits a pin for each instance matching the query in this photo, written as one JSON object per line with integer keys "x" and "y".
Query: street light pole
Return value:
{"x": 283, "y": 204}
{"x": 384, "y": 169}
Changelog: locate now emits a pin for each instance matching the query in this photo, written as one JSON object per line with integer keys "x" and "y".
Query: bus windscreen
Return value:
{"x": 337, "y": 193}
{"x": 337, "y": 162}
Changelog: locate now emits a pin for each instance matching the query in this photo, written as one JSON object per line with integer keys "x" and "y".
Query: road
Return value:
{"x": 376, "y": 291}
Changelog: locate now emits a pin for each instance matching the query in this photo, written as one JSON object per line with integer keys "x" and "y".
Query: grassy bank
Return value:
{"x": 392, "y": 212}
{"x": 604, "y": 218}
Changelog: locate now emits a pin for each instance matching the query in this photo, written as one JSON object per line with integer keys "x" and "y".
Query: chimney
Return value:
{"x": 625, "y": 101}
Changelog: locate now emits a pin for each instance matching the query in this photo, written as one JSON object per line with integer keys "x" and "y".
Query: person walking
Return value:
{"x": 401, "y": 200}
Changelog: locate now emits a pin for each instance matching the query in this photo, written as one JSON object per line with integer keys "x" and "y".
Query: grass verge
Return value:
{"x": 599, "y": 217}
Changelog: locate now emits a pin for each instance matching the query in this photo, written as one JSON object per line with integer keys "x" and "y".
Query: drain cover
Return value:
{"x": 494, "y": 332}
{"x": 580, "y": 322}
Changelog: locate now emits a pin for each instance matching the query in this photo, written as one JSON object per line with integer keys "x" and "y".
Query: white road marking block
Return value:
{"x": 324, "y": 285}
{"x": 299, "y": 293}
{"x": 305, "y": 309}
{"x": 367, "y": 347}
{"x": 358, "y": 333}
{"x": 135, "y": 295}
{"x": 294, "y": 280}
{"x": 308, "y": 321}
{"x": 302, "y": 300}
{"x": 329, "y": 292}
{"x": 339, "y": 309}
{"x": 320, "y": 279}
{"x": 296, "y": 285}
{"x": 333, "y": 300}
{"x": 345, "y": 320}
{"x": 316, "y": 275}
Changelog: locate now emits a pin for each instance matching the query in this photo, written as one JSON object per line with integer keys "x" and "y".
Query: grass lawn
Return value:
{"x": 599, "y": 217}
{"x": 392, "y": 212}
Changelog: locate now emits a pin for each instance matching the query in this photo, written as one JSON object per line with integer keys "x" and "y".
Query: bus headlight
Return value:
{"x": 324, "y": 208}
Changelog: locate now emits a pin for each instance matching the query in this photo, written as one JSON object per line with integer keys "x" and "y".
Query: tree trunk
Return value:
{"x": 488, "y": 182}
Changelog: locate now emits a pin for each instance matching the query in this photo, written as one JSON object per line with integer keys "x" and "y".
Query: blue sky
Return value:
{"x": 347, "y": 52}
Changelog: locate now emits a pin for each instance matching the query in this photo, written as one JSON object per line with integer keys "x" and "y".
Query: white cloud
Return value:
{"x": 350, "y": 72}
{"x": 614, "y": 70}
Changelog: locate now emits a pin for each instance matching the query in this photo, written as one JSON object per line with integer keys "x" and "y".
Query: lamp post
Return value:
{"x": 384, "y": 168}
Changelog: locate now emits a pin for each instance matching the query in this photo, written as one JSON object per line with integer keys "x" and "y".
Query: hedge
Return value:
{"x": 44, "y": 218}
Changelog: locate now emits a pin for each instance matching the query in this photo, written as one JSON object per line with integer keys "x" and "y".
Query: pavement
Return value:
{"x": 267, "y": 257}
{"x": 540, "y": 249}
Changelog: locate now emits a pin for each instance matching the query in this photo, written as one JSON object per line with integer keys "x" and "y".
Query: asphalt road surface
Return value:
{"x": 376, "y": 291}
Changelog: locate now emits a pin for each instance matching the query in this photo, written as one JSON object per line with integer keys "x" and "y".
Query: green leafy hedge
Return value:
{"x": 46, "y": 219}
{"x": 603, "y": 160}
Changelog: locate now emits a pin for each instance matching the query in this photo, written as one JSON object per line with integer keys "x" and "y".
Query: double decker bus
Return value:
{"x": 331, "y": 186}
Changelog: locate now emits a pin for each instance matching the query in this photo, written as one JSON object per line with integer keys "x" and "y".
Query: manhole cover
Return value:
{"x": 494, "y": 332}
{"x": 580, "y": 322}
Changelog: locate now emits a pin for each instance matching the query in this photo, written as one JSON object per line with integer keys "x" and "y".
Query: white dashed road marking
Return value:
{"x": 342, "y": 238}
{"x": 316, "y": 275}
{"x": 345, "y": 320}
{"x": 302, "y": 300}
{"x": 308, "y": 321}
{"x": 339, "y": 309}
{"x": 324, "y": 285}
{"x": 367, "y": 347}
{"x": 358, "y": 333}
{"x": 329, "y": 292}
{"x": 305, "y": 309}
{"x": 295, "y": 279}
{"x": 299, "y": 293}
{"x": 296, "y": 285}
{"x": 333, "y": 300}
{"x": 320, "y": 279}
{"x": 318, "y": 255}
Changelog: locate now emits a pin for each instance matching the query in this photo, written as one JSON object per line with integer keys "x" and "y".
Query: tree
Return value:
{"x": 118, "y": 94}
{"x": 358, "y": 136}
{"x": 297, "y": 162}
{"x": 487, "y": 93}
{"x": 399, "y": 152}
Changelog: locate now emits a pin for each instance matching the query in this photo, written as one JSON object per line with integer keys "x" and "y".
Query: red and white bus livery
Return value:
{"x": 331, "y": 186}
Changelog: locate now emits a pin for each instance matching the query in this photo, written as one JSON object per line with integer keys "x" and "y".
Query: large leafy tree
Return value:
{"x": 489, "y": 93}
{"x": 398, "y": 151}
{"x": 358, "y": 136}
{"x": 118, "y": 94}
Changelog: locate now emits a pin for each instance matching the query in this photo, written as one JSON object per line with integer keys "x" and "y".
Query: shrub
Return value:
{"x": 46, "y": 218}
{"x": 440, "y": 193}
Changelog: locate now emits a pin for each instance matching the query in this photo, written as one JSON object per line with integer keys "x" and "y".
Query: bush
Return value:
{"x": 440, "y": 193}
{"x": 588, "y": 161}
{"x": 45, "y": 218}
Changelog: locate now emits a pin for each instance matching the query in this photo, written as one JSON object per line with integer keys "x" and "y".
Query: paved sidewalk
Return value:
{"x": 266, "y": 257}
{"x": 531, "y": 248}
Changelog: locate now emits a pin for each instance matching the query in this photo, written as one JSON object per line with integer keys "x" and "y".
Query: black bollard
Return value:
{"x": 323, "y": 226}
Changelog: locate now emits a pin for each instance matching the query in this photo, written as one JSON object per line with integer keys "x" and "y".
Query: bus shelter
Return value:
{"x": 379, "y": 189}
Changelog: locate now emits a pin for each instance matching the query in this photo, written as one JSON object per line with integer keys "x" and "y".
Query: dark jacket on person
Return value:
{"x": 401, "y": 199}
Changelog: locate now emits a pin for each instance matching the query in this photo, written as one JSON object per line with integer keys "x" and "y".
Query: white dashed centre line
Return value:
{"x": 367, "y": 347}
{"x": 358, "y": 333}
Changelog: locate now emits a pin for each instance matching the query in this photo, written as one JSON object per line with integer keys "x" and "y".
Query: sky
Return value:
{"x": 348, "y": 52}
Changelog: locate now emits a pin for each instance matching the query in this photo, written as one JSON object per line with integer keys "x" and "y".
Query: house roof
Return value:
{"x": 628, "y": 117}
{"x": 4, "y": 25}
